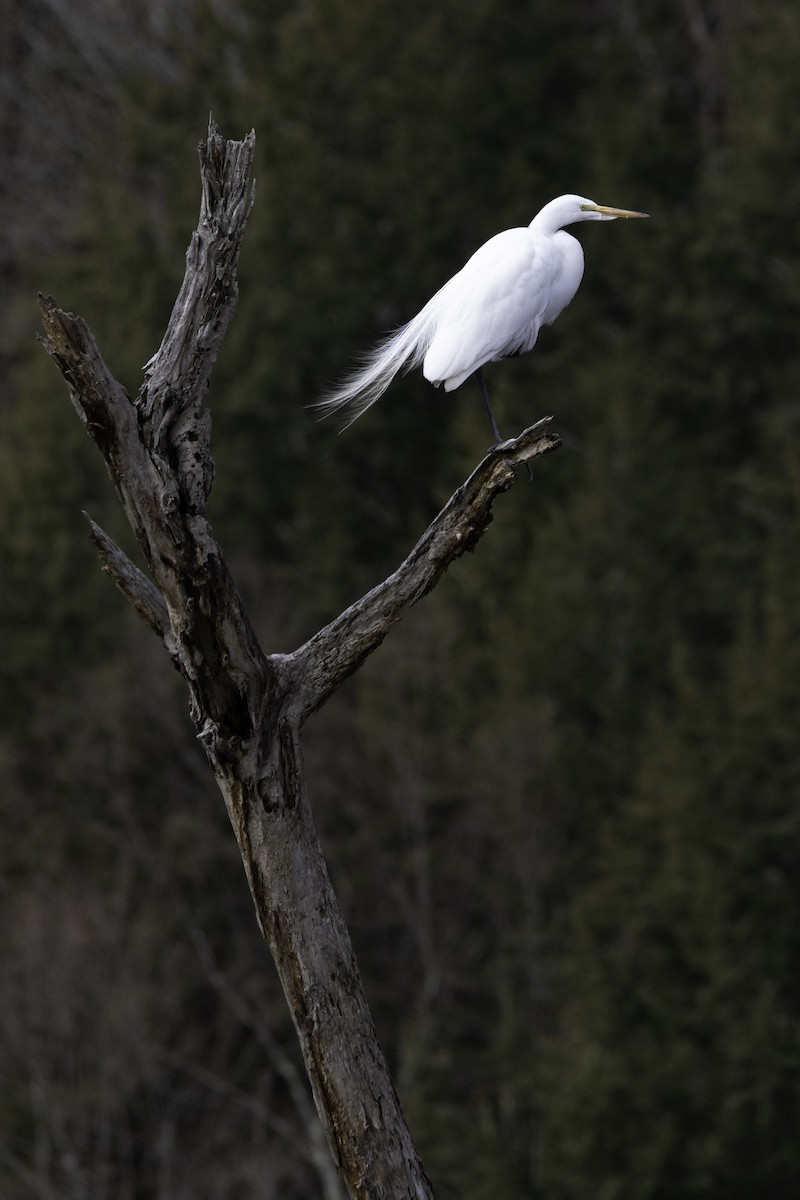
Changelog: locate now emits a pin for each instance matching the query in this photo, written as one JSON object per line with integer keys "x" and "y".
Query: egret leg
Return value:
{"x": 497, "y": 435}
{"x": 485, "y": 394}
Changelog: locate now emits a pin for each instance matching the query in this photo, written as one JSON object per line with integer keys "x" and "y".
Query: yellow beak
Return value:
{"x": 612, "y": 212}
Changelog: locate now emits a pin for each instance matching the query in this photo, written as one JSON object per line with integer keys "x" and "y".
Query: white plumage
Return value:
{"x": 494, "y": 307}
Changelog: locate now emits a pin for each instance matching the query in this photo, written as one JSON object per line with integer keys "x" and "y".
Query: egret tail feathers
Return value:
{"x": 400, "y": 351}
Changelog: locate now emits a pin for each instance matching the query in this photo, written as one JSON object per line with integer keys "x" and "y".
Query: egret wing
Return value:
{"x": 492, "y": 308}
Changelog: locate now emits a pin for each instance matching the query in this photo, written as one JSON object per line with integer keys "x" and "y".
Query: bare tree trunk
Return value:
{"x": 249, "y": 707}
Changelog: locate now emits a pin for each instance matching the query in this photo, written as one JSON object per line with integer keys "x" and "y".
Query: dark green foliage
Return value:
{"x": 561, "y": 802}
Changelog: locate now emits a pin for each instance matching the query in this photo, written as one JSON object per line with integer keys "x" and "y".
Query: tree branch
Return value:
{"x": 177, "y": 375}
{"x": 140, "y": 592}
{"x": 331, "y": 655}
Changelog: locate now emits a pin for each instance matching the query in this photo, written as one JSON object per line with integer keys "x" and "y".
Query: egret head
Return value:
{"x": 601, "y": 212}
{"x": 567, "y": 210}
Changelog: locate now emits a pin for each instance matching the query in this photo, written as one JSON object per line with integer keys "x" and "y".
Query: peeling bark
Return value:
{"x": 248, "y": 707}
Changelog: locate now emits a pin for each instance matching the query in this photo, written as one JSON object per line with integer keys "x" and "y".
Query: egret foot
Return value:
{"x": 506, "y": 445}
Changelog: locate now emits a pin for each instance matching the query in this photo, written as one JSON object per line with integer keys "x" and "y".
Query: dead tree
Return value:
{"x": 249, "y": 707}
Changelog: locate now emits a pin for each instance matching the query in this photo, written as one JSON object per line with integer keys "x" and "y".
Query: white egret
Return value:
{"x": 493, "y": 308}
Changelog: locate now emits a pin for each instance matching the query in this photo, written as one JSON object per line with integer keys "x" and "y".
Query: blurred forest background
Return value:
{"x": 562, "y": 803}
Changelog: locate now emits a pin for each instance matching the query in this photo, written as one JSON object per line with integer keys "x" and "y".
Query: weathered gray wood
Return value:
{"x": 137, "y": 589}
{"x": 327, "y": 659}
{"x": 248, "y": 707}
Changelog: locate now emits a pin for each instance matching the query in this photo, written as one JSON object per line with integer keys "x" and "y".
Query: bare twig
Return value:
{"x": 137, "y": 589}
